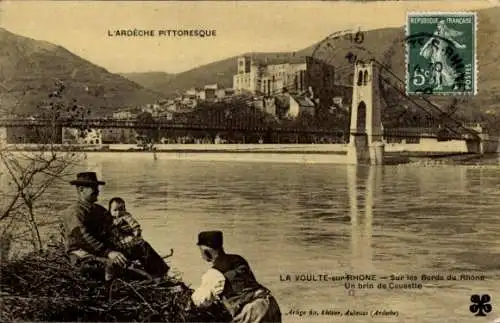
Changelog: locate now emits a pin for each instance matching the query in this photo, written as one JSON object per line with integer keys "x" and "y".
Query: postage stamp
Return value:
{"x": 441, "y": 53}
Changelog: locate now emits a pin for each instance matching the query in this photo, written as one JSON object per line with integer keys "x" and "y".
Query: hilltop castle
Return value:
{"x": 269, "y": 76}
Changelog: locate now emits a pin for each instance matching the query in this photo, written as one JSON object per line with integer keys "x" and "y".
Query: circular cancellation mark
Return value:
{"x": 332, "y": 64}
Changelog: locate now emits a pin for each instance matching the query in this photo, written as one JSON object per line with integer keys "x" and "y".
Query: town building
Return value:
{"x": 195, "y": 94}
{"x": 124, "y": 115}
{"x": 166, "y": 114}
{"x": 269, "y": 76}
{"x": 225, "y": 93}
{"x": 86, "y": 137}
{"x": 288, "y": 106}
{"x": 300, "y": 104}
{"x": 209, "y": 92}
{"x": 154, "y": 109}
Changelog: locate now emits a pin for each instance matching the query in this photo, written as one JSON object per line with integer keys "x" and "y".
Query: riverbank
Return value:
{"x": 425, "y": 146}
{"x": 451, "y": 152}
{"x": 43, "y": 286}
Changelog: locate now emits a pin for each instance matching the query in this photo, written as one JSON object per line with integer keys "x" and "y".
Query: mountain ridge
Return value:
{"x": 29, "y": 69}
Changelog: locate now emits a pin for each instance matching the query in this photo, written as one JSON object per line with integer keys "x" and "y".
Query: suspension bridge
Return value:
{"x": 365, "y": 125}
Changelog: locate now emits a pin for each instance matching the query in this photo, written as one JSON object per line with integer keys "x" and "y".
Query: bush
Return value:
{"x": 43, "y": 286}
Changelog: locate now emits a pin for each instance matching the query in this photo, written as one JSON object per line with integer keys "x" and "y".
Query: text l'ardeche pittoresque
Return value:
{"x": 201, "y": 33}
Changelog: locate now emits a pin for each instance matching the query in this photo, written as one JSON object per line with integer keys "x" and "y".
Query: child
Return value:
{"x": 128, "y": 240}
{"x": 127, "y": 229}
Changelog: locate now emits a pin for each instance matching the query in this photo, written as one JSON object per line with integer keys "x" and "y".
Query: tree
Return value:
{"x": 26, "y": 176}
{"x": 147, "y": 133}
{"x": 239, "y": 119}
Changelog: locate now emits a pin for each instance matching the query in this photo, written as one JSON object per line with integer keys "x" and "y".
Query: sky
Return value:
{"x": 255, "y": 26}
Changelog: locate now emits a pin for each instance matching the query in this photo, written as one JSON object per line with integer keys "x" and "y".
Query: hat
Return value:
{"x": 86, "y": 179}
{"x": 211, "y": 239}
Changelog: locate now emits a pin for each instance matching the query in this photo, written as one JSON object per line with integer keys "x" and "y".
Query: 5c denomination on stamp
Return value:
{"x": 441, "y": 53}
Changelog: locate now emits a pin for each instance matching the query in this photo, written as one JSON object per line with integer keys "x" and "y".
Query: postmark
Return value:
{"x": 441, "y": 53}
{"x": 341, "y": 50}
{"x": 338, "y": 52}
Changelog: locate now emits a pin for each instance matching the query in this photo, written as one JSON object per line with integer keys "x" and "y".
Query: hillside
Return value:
{"x": 29, "y": 68}
{"x": 386, "y": 45}
{"x": 148, "y": 79}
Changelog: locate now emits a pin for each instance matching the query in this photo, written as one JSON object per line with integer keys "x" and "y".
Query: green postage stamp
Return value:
{"x": 441, "y": 53}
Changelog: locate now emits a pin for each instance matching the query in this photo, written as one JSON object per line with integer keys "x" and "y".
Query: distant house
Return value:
{"x": 291, "y": 106}
{"x": 93, "y": 137}
{"x": 195, "y": 94}
{"x": 299, "y": 105}
{"x": 167, "y": 114}
{"x": 123, "y": 115}
{"x": 211, "y": 91}
{"x": 229, "y": 92}
{"x": 211, "y": 87}
{"x": 187, "y": 103}
{"x": 75, "y": 136}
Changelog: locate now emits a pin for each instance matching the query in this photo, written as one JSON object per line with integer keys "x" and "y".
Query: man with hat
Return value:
{"x": 88, "y": 226}
{"x": 231, "y": 281}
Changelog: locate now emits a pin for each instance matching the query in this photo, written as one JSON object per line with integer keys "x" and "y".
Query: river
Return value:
{"x": 289, "y": 219}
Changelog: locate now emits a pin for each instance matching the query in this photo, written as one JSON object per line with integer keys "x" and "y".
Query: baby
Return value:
{"x": 128, "y": 240}
{"x": 127, "y": 229}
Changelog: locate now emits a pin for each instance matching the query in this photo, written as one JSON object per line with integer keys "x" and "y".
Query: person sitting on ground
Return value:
{"x": 89, "y": 232}
{"x": 232, "y": 281}
{"x": 128, "y": 239}
{"x": 88, "y": 226}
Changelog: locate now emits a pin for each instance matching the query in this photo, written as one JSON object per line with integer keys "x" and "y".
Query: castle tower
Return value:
{"x": 365, "y": 139}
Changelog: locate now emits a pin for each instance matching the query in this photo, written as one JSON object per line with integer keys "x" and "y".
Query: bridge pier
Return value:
{"x": 484, "y": 144}
{"x": 474, "y": 146}
{"x": 365, "y": 140}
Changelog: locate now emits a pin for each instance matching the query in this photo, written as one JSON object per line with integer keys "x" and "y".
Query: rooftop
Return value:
{"x": 303, "y": 101}
{"x": 275, "y": 59}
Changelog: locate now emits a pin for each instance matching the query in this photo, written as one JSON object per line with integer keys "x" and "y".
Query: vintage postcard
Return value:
{"x": 231, "y": 161}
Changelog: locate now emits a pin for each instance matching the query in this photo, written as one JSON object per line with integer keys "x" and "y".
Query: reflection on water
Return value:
{"x": 362, "y": 217}
{"x": 292, "y": 218}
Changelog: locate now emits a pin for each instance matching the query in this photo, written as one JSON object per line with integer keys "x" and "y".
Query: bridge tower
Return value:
{"x": 366, "y": 132}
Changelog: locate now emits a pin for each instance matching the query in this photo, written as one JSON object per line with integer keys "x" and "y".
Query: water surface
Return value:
{"x": 332, "y": 219}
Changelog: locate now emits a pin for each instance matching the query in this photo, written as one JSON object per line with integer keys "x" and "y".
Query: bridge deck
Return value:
{"x": 421, "y": 132}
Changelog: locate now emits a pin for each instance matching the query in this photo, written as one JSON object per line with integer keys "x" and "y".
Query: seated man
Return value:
{"x": 231, "y": 280}
{"x": 89, "y": 229}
